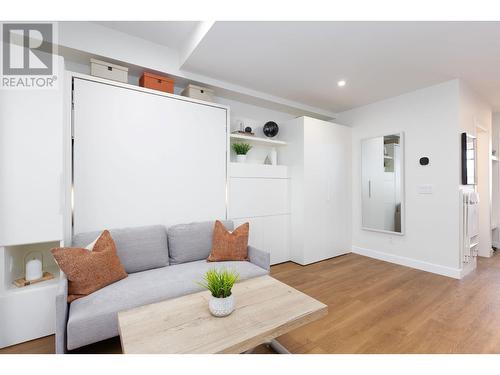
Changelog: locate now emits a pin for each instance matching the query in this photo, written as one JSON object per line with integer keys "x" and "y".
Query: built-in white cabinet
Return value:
{"x": 258, "y": 194}
{"x": 31, "y": 165}
{"x": 31, "y": 206}
{"x": 318, "y": 157}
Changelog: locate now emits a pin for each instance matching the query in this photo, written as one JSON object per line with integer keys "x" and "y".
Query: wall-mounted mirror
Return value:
{"x": 469, "y": 176}
{"x": 382, "y": 183}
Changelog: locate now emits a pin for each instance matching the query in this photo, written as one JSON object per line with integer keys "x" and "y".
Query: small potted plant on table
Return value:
{"x": 241, "y": 150}
{"x": 220, "y": 283}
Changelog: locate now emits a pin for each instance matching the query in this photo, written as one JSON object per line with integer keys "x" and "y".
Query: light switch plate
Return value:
{"x": 425, "y": 189}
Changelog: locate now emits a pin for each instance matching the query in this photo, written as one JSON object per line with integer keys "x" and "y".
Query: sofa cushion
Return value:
{"x": 94, "y": 317}
{"x": 228, "y": 245}
{"x": 190, "y": 242}
{"x": 139, "y": 249}
{"x": 90, "y": 269}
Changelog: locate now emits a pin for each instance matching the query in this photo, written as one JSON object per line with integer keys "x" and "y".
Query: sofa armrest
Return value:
{"x": 259, "y": 258}
{"x": 61, "y": 315}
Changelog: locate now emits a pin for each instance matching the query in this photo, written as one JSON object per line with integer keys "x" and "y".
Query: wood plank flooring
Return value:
{"x": 377, "y": 307}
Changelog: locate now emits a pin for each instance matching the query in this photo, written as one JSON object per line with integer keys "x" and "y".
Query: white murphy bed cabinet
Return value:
{"x": 31, "y": 206}
{"x": 318, "y": 156}
{"x": 142, "y": 157}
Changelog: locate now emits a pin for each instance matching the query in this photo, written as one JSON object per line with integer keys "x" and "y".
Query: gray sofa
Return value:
{"x": 161, "y": 263}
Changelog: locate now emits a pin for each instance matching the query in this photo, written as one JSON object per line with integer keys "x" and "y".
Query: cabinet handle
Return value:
{"x": 369, "y": 188}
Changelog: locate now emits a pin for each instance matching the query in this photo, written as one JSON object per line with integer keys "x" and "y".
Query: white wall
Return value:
{"x": 428, "y": 117}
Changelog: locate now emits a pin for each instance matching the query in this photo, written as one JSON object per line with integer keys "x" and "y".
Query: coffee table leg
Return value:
{"x": 274, "y": 345}
{"x": 278, "y": 348}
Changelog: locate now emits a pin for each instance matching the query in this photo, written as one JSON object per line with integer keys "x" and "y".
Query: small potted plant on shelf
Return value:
{"x": 220, "y": 283}
{"x": 241, "y": 150}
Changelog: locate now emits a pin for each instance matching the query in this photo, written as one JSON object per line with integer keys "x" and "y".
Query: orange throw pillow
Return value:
{"x": 227, "y": 245}
{"x": 90, "y": 269}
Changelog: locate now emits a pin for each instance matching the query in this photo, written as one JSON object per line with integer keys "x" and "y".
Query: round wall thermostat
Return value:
{"x": 424, "y": 161}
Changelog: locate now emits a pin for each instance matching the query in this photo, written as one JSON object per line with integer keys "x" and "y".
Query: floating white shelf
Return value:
{"x": 251, "y": 138}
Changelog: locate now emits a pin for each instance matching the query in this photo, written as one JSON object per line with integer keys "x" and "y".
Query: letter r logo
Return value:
{"x": 27, "y": 48}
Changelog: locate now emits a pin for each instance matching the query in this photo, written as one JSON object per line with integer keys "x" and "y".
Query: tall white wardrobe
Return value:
{"x": 319, "y": 161}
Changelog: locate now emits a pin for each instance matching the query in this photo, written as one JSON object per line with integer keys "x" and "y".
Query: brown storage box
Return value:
{"x": 157, "y": 82}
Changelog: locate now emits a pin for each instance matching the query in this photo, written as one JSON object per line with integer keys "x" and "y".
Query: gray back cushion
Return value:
{"x": 190, "y": 242}
{"x": 139, "y": 249}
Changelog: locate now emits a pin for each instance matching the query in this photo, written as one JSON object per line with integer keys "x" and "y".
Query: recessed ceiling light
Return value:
{"x": 341, "y": 83}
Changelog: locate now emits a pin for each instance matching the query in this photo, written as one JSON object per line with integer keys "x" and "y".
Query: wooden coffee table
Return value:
{"x": 265, "y": 309}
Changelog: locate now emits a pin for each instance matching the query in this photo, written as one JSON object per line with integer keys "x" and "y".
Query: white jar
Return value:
{"x": 221, "y": 306}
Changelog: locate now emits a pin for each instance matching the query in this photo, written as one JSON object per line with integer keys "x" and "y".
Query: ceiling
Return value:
{"x": 302, "y": 61}
{"x": 169, "y": 34}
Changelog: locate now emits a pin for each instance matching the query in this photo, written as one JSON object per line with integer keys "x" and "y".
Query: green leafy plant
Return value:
{"x": 241, "y": 148}
{"x": 219, "y": 283}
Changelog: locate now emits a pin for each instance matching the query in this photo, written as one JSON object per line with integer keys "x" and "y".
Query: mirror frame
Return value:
{"x": 403, "y": 186}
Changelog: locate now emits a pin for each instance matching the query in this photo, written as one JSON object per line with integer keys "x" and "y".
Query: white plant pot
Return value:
{"x": 241, "y": 158}
{"x": 221, "y": 306}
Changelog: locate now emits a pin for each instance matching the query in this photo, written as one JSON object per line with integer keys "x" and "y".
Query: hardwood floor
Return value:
{"x": 377, "y": 307}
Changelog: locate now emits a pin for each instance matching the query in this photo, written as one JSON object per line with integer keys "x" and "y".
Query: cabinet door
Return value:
{"x": 270, "y": 234}
{"x": 31, "y": 165}
{"x": 251, "y": 197}
{"x": 276, "y": 238}
{"x": 27, "y": 315}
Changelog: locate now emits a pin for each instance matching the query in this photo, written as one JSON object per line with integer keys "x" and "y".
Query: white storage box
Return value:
{"x": 107, "y": 70}
{"x": 198, "y": 92}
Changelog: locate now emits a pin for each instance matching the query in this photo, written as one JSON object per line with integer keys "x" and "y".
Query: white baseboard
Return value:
{"x": 455, "y": 273}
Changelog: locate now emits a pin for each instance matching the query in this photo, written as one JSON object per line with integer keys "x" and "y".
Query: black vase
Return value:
{"x": 270, "y": 129}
